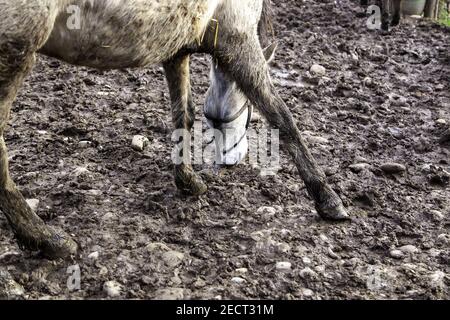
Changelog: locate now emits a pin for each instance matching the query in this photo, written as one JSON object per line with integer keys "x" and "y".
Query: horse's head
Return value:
{"x": 228, "y": 110}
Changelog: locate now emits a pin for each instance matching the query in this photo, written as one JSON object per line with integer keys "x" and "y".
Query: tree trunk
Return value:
{"x": 430, "y": 8}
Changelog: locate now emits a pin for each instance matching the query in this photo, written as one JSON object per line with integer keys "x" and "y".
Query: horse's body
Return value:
{"x": 137, "y": 33}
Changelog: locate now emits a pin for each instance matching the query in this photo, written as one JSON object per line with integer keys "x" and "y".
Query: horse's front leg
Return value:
{"x": 32, "y": 233}
{"x": 242, "y": 58}
{"x": 183, "y": 116}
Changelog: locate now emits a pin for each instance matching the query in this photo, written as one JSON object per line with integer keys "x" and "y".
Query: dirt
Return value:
{"x": 385, "y": 98}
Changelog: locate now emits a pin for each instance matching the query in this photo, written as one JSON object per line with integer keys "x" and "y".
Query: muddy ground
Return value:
{"x": 384, "y": 98}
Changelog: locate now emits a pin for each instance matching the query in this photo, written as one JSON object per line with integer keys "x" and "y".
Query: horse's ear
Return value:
{"x": 269, "y": 52}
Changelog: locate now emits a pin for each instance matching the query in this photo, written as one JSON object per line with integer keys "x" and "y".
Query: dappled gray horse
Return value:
{"x": 138, "y": 33}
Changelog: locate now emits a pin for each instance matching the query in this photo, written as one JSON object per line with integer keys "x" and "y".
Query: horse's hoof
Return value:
{"x": 189, "y": 182}
{"x": 57, "y": 244}
{"x": 395, "y": 21}
{"x": 333, "y": 211}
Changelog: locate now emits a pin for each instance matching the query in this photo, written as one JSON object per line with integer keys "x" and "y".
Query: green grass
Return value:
{"x": 444, "y": 18}
{"x": 445, "y": 21}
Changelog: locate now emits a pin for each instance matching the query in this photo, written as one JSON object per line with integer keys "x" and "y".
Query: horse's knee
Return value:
{"x": 4, "y": 175}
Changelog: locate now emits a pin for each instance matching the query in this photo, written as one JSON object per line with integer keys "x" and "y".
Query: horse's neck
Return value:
{"x": 62, "y": 4}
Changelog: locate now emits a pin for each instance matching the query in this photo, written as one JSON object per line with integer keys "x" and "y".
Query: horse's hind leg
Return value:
{"x": 183, "y": 114}
{"x": 385, "y": 14}
{"x": 16, "y": 60}
{"x": 396, "y": 17}
{"x": 242, "y": 57}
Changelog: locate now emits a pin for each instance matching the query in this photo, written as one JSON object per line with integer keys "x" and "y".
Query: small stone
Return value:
{"x": 266, "y": 213}
{"x": 306, "y": 260}
{"x": 436, "y": 215}
{"x": 443, "y": 239}
{"x": 397, "y": 254}
{"x": 307, "y": 292}
{"x": 84, "y": 144}
{"x": 170, "y": 294}
{"x": 392, "y": 168}
{"x": 442, "y": 122}
{"x": 283, "y": 266}
{"x": 358, "y": 167}
{"x": 426, "y": 168}
{"x": 173, "y": 258}
{"x": 146, "y": 280}
{"x": 283, "y": 247}
{"x": 79, "y": 171}
{"x": 242, "y": 270}
{"x": 332, "y": 254}
{"x": 112, "y": 288}
{"x": 33, "y": 204}
{"x": 199, "y": 283}
{"x": 103, "y": 271}
{"x": 139, "y": 142}
{"x": 94, "y": 255}
{"x": 409, "y": 249}
{"x": 318, "y": 70}
{"x": 238, "y": 280}
{"x": 109, "y": 216}
{"x": 308, "y": 273}
{"x": 437, "y": 279}
{"x": 157, "y": 246}
{"x": 368, "y": 82}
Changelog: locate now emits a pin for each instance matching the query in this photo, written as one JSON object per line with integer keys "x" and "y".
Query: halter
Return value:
{"x": 217, "y": 123}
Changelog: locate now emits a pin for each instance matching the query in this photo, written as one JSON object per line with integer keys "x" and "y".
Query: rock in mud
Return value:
{"x": 266, "y": 213}
{"x": 93, "y": 256}
{"x": 307, "y": 293}
{"x": 242, "y": 270}
{"x": 437, "y": 279}
{"x": 238, "y": 280}
{"x": 173, "y": 258}
{"x": 358, "y": 167}
{"x": 9, "y": 288}
{"x": 308, "y": 273}
{"x": 84, "y": 144}
{"x": 33, "y": 204}
{"x": 284, "y": 266}
{"x": 139, "y": 142}
{"x": 436, "y": 215}
{"x": 113, "y": 289}
{"x": 170, "y": 294}
{"x": 306, "y": 260}
{"x": 443, "y": 239}
{"x": 397, "y": 254}
{"x": 318, "y": 70}
{"x": 410, "y": 249}
{"x": 393, "y": 168}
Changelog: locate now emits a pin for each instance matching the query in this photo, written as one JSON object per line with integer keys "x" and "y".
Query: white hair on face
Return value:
{"x": 224, "y": 100}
